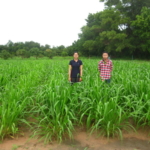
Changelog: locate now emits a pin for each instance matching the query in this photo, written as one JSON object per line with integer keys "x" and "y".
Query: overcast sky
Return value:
{"x": 53, "y": 22}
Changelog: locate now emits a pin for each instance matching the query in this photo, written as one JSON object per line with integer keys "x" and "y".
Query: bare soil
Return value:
{"x": 139, "y": 140}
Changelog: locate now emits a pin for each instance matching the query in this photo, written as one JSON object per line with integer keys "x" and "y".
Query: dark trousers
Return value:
{"x": 107, "y": 80}
{"x": 73, "y": 80}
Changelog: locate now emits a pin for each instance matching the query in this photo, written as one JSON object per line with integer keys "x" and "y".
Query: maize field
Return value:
{"x": 40, "y": 90}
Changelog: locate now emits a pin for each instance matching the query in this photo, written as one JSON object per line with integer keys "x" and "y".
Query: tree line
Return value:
{"x": 122, "y": 29}
{"x": 31, "y": 48}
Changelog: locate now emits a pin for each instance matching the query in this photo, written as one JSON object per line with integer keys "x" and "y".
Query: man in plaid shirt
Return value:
{"x": 105, "y": 67}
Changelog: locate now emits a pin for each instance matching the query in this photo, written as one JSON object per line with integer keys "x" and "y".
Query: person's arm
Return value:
{"x": 99, "y": 67}
{"x": 69, "y": 72}
{"x": 81, "y": 72}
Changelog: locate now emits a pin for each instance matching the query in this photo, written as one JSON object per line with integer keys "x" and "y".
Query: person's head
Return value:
{"x": 75, "y": 55}
{"x": 105, "y": 55}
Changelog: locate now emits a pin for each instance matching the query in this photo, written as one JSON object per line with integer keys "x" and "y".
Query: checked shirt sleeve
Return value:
{"x": 99, "y": 66}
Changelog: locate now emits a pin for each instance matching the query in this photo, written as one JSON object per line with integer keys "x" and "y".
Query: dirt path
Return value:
{"x": 131, "y": 141}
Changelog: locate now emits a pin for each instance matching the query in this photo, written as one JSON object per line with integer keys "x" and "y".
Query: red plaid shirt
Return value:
{"x": 105, "y": 69}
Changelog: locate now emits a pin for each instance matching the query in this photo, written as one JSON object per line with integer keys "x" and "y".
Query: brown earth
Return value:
{"x": 82, "y": 141}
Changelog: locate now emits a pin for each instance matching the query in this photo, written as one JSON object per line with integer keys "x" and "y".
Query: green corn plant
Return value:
{"x": 39, "y": 89}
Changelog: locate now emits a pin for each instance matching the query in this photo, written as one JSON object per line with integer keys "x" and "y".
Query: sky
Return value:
{"x": 53, "y": 22}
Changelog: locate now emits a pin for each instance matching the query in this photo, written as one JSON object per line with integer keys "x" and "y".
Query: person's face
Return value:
{"x": 75, "y": 55}
{"x": 105, "y": 56}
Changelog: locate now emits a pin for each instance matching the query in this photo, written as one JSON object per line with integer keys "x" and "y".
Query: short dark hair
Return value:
{"x": 75, "y": 52}
{"x": 105, "y": 52}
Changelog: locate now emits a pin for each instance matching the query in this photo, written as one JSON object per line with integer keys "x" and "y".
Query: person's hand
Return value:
{"x": 102, "y": 79}
{"x": 69, "y": 79}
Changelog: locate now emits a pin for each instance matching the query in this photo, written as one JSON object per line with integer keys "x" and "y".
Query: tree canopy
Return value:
{"x": 122, "y": 29}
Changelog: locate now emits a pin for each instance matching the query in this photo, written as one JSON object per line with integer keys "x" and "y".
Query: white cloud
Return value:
{"x": 53, "y": 22}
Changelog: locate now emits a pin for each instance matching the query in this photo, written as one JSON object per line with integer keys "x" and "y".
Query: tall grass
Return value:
{"x": 39, "y": 89}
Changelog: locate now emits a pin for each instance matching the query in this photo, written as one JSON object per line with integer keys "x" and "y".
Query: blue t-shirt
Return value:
{"x": 75, "y": 72}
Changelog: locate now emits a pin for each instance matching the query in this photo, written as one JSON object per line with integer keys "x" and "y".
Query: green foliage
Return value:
{"x": 35, "y": 52}
{"x": 64, "y": 53}
{"x": 58, "y": 50}
{"x": 15, "y": 147}
{"x": 113, "y": 41}
{"x": 89, "y": 45}
{"x": 5, "y": 54}
{"x": 27, "y": 49}
{"x": 129, "y": 8}
{"x": 21, "y": 53}
{"x": 141, "y": 30}
{"x": 116, "y": 29}
{"x": 42, "y": 93}
{"x": 49, "y": 53}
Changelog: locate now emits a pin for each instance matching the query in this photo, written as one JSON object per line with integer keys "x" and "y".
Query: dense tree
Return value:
{"x": 47, "y": 46}
{"x": 141, "y": 30}
{"x": 26, "y": 49}
{"x": 58, "y": 50}
{"x": 130, "y": 8}
{"x": 2, "y": 47}
{"x": 31, "y": 44}
{"x": 21, "y": 53}
{"x": 64, "y": 53}
{"x": 35, "y": 52}
{"x": 5, "y": 54}
{"x": 49, "y": 53}
{"x": 89, "y": 45}
{"x": 116, "y": 30}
